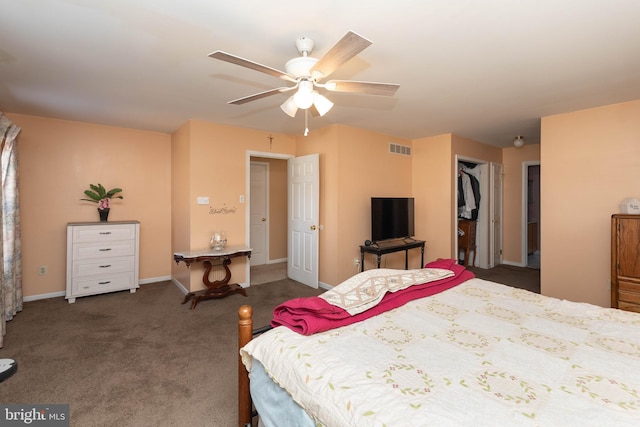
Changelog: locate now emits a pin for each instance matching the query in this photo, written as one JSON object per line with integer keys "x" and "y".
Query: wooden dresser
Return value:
{"x": 625, "y": 262}
{"x": 467, "y": 242}
{"x": 102, "y": 257}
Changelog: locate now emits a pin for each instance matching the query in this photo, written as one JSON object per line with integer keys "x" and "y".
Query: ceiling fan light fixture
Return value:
{"x": 518, "y": 142}
{"x": 304, "y": 96}
{"x": 322, "y": 104}
{"x": 300, "y": 66}
{"x": 289, "y": 107}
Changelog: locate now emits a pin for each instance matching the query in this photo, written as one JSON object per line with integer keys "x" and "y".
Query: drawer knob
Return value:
{"x": 105, "y": 249}
{"x": 105, "y": 232}
{"x": 105, "y": 266}
{"x": 104, "y": 283}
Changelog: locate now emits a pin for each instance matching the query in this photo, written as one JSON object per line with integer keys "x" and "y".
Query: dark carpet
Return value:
{"x": 140, "y": 359}
{"x": 518, "y": 277}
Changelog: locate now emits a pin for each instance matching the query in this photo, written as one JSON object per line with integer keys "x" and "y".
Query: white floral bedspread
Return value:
{"x": 480, "y": 354}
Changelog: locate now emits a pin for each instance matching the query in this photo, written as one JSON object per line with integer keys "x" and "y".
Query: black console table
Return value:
{"x": 382, "y": 248}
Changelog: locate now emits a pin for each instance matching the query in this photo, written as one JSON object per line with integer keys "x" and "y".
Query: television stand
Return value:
{"x": 389, "y": 246}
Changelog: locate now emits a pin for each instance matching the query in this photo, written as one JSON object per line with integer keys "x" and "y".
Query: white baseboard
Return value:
{"x": 180, "y": 286}
{"x": 44, "y": 296}
{"x": 515, "y": 264}
{"x": 64, "y": 293}
{"x": 324, "y": 286}
{"x": 153, "y": 280}
{"x": 276, "y": 261}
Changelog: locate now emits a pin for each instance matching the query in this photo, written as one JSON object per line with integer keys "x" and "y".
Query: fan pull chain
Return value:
{"x": 306, "y": 122}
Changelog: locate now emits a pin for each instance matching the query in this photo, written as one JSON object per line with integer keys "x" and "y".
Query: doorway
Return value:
{"x": 531, "y": 214}
{"x": 299, "y": 220}
{"x": 266, "y": 222}
{"x": 477, "y": 171}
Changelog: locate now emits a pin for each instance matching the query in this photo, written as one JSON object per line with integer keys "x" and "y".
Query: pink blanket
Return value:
{"x": 311, "y": 315}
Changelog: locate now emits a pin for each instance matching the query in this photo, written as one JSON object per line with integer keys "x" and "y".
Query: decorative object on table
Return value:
{"x": 630, "y": 205}
{"x": 98, "y": 194}
{"x": 218, "y": 240}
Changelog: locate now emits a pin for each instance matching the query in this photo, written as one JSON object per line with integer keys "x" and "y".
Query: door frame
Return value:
{"x": 482, "y": 228}
{"x": 267, "y": 216}
{"x": 524, "y": 257}
{"x": 496, "y": 203}
{"x": 247, "y": 230}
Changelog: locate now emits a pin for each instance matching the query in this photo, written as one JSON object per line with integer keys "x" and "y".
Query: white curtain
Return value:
{"x": 10, "y": 250}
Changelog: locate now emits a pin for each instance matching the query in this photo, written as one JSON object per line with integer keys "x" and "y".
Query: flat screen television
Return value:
{"x": 391, "y": 218}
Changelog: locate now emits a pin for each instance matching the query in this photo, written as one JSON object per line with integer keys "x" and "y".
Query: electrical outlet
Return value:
{"x": 42, "y": 270}
{"x": 356, "y": 262}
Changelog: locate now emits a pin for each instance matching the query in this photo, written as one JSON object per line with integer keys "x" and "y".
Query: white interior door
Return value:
{"x": 303, "y": 218}
{"x": 259, "y": 208}
{"x": 496, "y": 215}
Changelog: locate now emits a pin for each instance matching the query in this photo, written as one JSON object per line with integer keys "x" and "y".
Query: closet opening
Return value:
{"x": 472, "y": 241}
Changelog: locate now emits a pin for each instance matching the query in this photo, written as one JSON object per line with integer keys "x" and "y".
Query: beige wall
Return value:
{"x": 513, "y": 159}
{"x": 590, "y": 161}
{"x": 58, "y": 159}
{"x": 432, "y": 173}
{"x": 346, "y": 188}
{"x": 366, "y": 169}
{"x": 180, "y": 206}
{"x": 218, "y": 169}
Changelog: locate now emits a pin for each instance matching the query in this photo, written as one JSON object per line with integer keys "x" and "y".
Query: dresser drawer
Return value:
{"x": 107, "y": 249}
{"x": 628, "y": 285}
{"x": 107, "y": 266}
{"x": 97, "y": 285}
{"x": 628, "y": 307}
{"x": 102, "y": 233}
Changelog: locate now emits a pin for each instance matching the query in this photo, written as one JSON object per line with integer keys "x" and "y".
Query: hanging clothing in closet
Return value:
{"x": 468, "y": 192}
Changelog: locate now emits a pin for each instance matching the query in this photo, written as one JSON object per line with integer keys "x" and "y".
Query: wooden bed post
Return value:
{"x": 245, "y": 329}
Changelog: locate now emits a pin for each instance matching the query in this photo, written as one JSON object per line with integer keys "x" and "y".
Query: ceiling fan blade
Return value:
{"x": 371, "y": 88}
{"x": 349, "y": 46}
{"x": 233, "y": 59}
{"x": 260, "y": 95}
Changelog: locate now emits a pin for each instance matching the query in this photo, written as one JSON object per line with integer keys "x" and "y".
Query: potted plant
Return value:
{"x": 98, "y": 194}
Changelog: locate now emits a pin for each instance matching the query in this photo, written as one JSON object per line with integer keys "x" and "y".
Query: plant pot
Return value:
{"x": 104, "y": 214}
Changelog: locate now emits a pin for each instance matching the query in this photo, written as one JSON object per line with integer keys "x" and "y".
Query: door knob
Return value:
{"x": 264, "y": 219}
{"x": 313, "y": 227}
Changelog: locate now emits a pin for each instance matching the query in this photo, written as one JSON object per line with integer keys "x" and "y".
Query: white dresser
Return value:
{"x": 102, "y": 257}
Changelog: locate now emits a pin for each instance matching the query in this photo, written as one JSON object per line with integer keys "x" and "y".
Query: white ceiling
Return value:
{"x": 486, "y": 70}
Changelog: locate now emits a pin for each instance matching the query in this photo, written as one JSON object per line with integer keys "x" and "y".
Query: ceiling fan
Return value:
{"x": 306, "y": 73}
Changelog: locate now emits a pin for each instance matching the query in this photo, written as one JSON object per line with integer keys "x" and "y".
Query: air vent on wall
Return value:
{"x": 399, "y": 149}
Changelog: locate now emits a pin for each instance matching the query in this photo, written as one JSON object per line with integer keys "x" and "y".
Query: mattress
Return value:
{"x": 480, "y": 354}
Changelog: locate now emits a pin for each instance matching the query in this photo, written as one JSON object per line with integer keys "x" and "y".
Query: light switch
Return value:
{"x": 242, "y": 198}
{"x": 203, "y": 200}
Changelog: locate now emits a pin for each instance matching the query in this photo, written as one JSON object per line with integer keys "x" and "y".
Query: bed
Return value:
{"x": 464, "y": 352}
